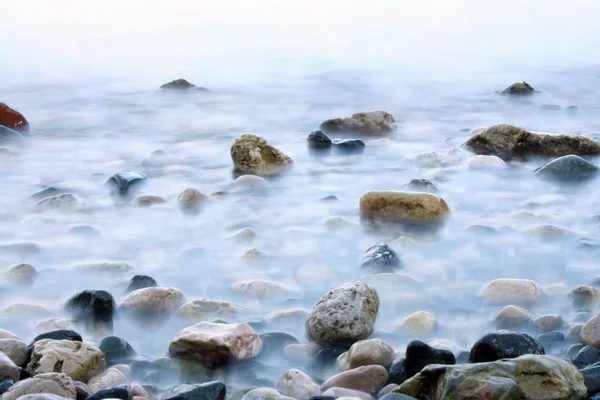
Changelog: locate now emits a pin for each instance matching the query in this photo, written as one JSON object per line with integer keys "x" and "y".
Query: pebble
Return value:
{"x": 297, "y": 384}
{"x": 200, "y": 391}
{"x": 215, "y": 344}
{"x": 92, "y": 307}
{"x": 124, "y": 181}
{"x": 202, "y": 309}
{"x": 349, "y": 145}
{"x": 369, "y": 378}
{"x": 254, "y": 255}
{"x": 83, "y": 390}
{"x": 107, "y": 267}
{"x": 259, "y": 289}
{"x": 551, "y": 340}
{"x": 547, "y": 323}
{"x": 153, "y": 300}
{"x": 372, "y": 122}
{"x": 318, "y": 140}
{"x": 339, "y": 392}
{"x": 504, "y": 344}
{"x": 63, "y": 201}
{"x": 191, "y": 200}
{"x": 567, "y": 168}
{"x": 344, "y": 315}
{"x": 396, "y": 396}
{"x": 15, "y": 349}
{"x": 419, "y": 324}
{"x": 244, "y": 235}
{"x": 519, "y": 89}
{"x": 585, "y": 298}
{"x": 265, "y": 393}
{"x": 485, "y": 162}
{"x": 4, "y": 334}
{"x": 505, "y": 291}
{"x": 20, "y": 274}
{"x": 590, "y": 334}
{"x": 513, "y": 317}
{"x": 586, "y": 356}
{"x": 380, "y": 258}
{"x": 25, "y": 310}
{"x": 79, "y": 360}
{"x": 5, "y": 385}
{"x": 149, "y": 200}
{"x": 182, "y": 85}
{"x": 366, "y": 352}
{"x": 116, "y": 350}
{"x": 117, "y": 392}
{"x": 140, "y": 282}
{"x": 50, "y": 383}
{"x": 13, "y": 119}
{"x": 60, "y": 334}
{"x": 8, "y": 369}
{"x": 398, "y": 373}
{"x": 421, "y": 185}
{"x": 591, "y": 376}
{"x": 403, "y": 206}
{"x": 419, "y": 355}
{"x": 252, "y": 154}
{"x": 106, "y": 380}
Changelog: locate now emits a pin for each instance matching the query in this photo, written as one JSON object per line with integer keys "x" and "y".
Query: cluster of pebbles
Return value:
{"x": 342, "y": 354}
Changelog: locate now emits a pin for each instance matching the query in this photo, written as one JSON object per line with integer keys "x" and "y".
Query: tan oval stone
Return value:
{"x": 512, "y": 291}
{"x": 20, "y": 274}
{"x": 4, "y": 334}
{"x": 419, "y": 324}
{"x": 590, "y": 334}
{"x": 485, "y": 162}
{"x": 50, "y": 383}
{"x": 413, "y": 207}
{"x": 110, "y": 378}
{"x": 191, "y": 199}
{"x": 369, "y": 379}
{"x": 153, "y": 299}
{"x": 366, "y": 352}
{"x": 149, "y": 200}
{"x": 339, "y": 392}
{"x": 513, "y": 316}
{"x": 585, "y": 298}
{"x": 204, "y": 309}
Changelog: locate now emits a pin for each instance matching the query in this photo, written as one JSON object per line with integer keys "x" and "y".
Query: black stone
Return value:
{"x": 551, "y": 340}
{"x": 182, "y": 85}
{"x": 82, "y": 391}
{"x": 92, "y": 307}
{"x": 420, "y": 185}
{"x": 23, "y": 374}
{"x": 499, "y": 345}
{"x": 318, "y": 140}
{"x": 586, "y": 356}
{"x": 380, "y": 257}
{"x": 419, "y": 355}
{"x": 591, "y": 376}
{"x": 5, "y": 385}
{"x": 274, "y": 342}
{"x": 61, "y": 334}
{"x": 116, "y": 350}
{"x": 140, "y": 282}
{"x": 333, "y": 199}
{"x": 397, "y": 373}
{"x": 567, "y": 168}
{"x": 396, "y": 396}
{"x": 203, "y": 391}
{"x": 349, "y": 145}
{"x": 463, "y": 357}
{"x": 573, "y": 350}
{"x": 117, "y": 392}
{"x": 123, "y": 181}
{"x": 49, "y": 191}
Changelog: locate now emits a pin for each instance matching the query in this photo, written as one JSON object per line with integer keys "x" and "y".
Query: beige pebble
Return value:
{"x": 246, "y": 235}
{"x": 369, "y": 379}
{"x": 420, "y": 324}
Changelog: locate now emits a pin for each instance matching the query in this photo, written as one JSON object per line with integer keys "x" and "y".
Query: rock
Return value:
{"x": 485, "y": 162}
{"x": 140, "y": 282}
{"x": 506, "y": 291}
{"x": 529, "y": 377}
{"x": 349, "y": 145}
{"x": 420, "y": 185}
{"x": 336, "y": 223}
{"x": 13, "y": 119}
{"x": 398, "y": 373}
{"x": 507, "y": 141}
{"x": 149, "y": 200}
{"x": 297, "y": 384}
{"x": 369, "y": 379}
{"x": 118, "y": 392}
{"x": 386, "y": 389}
{"x": 573, "y": 333}
{"x": 419, "y": 355}
{"x": 252, "y": 155}
{"x": 366, "y": 352}
{"x": 333, "y": 199}
{"x": 590, "y": 334}
{"x": 551, "y": 340}
{"x": 550, "y": 233}
{"x": 396, "y": 396}
{"x": 275, "y": 342}
{"x": 567, "y": 168}
{"x": 136, "y": 389}
{"x": 403, "y": 206}
{"x": 14, "y": 349}
{"x": 250, "y": 183}
{"x": 83, "y": 390}
{"x": 513, "y": 317}
{"x": 547, "y": 323}
{"x": 9, "y": 136}
{"x": 60, "y": 334}
{"x": 380, "y": 258}
{"x": 4, "y": 334}
{"x": 182, "y": 84}
{"x": 20, "y": 274}
{"x": 215, "y": 344}
{"x": 260, "y": 289}
{"x": 419, "y": 324}
{"x": 586, "y": 356}
{"x": 8, "y": 369}
{"x": 107, "y": 267}
{"x": 344, "y": 315}
{"x": 372, "y": 122}
{"x": 201, "y": 391}
{"x": 318, "y": 140}
{"x": 107, "y": 379}
{"x": 5, "y": 385}
{"x": 519, "y": 89}
{"x": 51, "y": 383}
{"x": 591, "y": 377}
{"x": 254, "y": 255}
{"x": 79, "y": 360}
{"x": 124, "y": 181}
{"x": 93, "y": 307}
{"x": 25, "y": 310}
{"x": 116, "y": 350}
{"x": 347, "y": 394}
{"x": 64, "y": 201}
{"x": 202, "y": 309}
{"x": 498, "y": 345}
{"x": 246, "y": 235}
{"x": 153, "y": 300}
{"x": 265, "y": 393}
{"x": 191, "y": 200}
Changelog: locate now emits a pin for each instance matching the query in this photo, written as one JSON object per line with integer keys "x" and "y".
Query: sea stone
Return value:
{"x": 20, "y": 274}
{"x": 519, "y": 89}
{"x": 366, "y": 352}
{"x": 252, "y": 154}
{"x": 8, "y": 369}
{"x": 344, "y": 315}
{"x": 380, "y": 258}
{"x": 411, "y": 207}
{"x": 513, "y": 317}
{"x": 123, "y": 181}
{"x": 419, "y": 324}
{"x": 107, "y": 379}
{"x": 191, "y": 199}
{"x": 590, "y": 334}
{"x": 485, "y": 162}
{"x": 297, "y": 384}
{"x": 153, "y": 300}
{"x": 499, "y": 345}
{"x": 13, "y": 119}
{"x": 14, "y": 349}
{"x": 373, "y": 122}
{"x": 506, "y": 291}
{"x": 215, "y": 344}
{"x": 182, "y": 84}
{"x": 347, "y": 394}
{"x": 369, "y": 379}
{"x": 202, "y": 309}
{"x": 51, "y": 383}
{"x": 265, "y": 393}
{"x": 64, "y": 201}
{"x": 567, "y": 168}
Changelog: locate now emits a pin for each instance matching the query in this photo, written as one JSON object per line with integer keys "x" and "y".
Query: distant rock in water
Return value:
{"x": 123, "y": 181}
{"x": 420, "y": 185}
{"x": 318, "y": 140}
{"x": 403, "y": 206}
{"x": 372, "y": 122}
{"x": 182, "y": 84}
{"x": 568, "y": 168}
{"x": 519, "y": 89}
{"x": 380, "y": 258}
{"x": 349, "y": 145}
{"x": 252, "y": 154}
{"x": 13, "y": 119}
{"x": 508, "y": 141}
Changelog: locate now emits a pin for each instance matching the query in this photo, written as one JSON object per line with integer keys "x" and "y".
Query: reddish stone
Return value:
{"x": 13, "y": 119}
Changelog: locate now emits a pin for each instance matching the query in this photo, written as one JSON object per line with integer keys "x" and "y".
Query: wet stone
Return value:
{"x": 274, "y": 342}
{"x": 318, "y": 140}
{"x": 5, "y": 385}
{"x": 396, "y": 396}
{"x": 551, "y": 340}
{"x": 140, "y": 282}
{"x": 591, "y": 376}
{"x": 568, "y": 168}
{"x": 116, "y": 350}
{"x": 124, "y": 181}
{"x": 499, "y": 345}
{"x": 349, "y": 145}
{"x": 587, "y": 356}
{"x": 398, "y": 373}
{"x": 519, "y": 89}
{"x": 421, "y": 185}
{"x": 117, "y": 392}
{"x": 380, "y": 258}
{"x": 61, "y": 334}
{"x": 203, "y": 391}
{"x": 95, "y": 308}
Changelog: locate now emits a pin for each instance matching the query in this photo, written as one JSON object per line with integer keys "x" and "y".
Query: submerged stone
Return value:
{"x": 182, "y": 84}
{"x": 123, "y": 181}
{"x": 519, "y": 89}
{"x": 381, "y": 258}
{"x": 252, "y": 154}
{"x": 567, "y": 168}
{"x": 372, "y": 122}
{"x": 318, "y": 140}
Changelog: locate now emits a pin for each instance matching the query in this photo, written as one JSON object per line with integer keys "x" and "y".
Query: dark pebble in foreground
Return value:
{"x": 23, "y": 374}
{"x": 588, "y": 355}
{"x": 551, "y": 340}
{"x": 203, "y": 391}
{"x": 380, "y": 257}
{"x": 499, "y": 345}
{"x": 117, "y": 392}
{"x": 591, "y": 376}
{"x": 396, "y": 396}
{"x": 567, "y": 168}
{"x": 419, "y": 355}
{"x": 5, "y": 384}
{"x": 61, "y": 334}
{"x": 140, "y": 282}
{"x": 47, "y": 192}
{"x": 318, "y": 140}
{"x": 116, "y": 350}
{"x": 349, "y": 145}
{"x": 123, "y": 181}
{"x": 421, "y": 185}
{"x": 92, "y": 306}
{"x": 397, "y": 373}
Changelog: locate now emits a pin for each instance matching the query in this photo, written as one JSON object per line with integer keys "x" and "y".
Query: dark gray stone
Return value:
{"x": 83, "y": 230}
{"x": 397, "y": 373}
{"x": 586, "y": 356}
{"x": 47, "y": 192}
{"x": 519, "y": 89}
{"x": 499, "y": 345}
{"x": 333, "y": 199}
{"x": 380, "y": 258}
{"x": 117, "y": 392}
{"x": 419, "y": 355}
{"x": 318, "y": 140}
{"x": 573, "y": 350}
{"x": 116, "y": 350}
{"x": 23, "y": 374}
{"x": 93, "y": 307}
{"x": 463, "y": 357}
{"x": 140, "y": 282}
{"x": 420, "y": 185}
{"x": 349, "y": 145}
{"x": 123, "y": 181}
{"x": 591, "y": 376}
{"x": 182, "y": 84}
{"x": 140, "y": 366}
{"x": 5, "y": 385}
{"x": 61, "y": 334}
{"x": 551, "y": 340}
{"x": 202, "y": 391}
{"x": 396, "y": 396}
{"x": 567, "y": 168}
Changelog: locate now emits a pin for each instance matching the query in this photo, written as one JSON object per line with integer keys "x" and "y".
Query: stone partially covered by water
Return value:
{"x": 568, "y": 168}
{"x": 403, "y": 206}
{"x": 519, "y": 89}
{"x": 499, "y": 345}
{"x": 181, "y": 84}
{"x": 372, "y": 122}
{"x": 380, "y": 258}
{"x": 124, "y": 181}
{"x": 252, "y": 154}
{"x": 13, "y": 119}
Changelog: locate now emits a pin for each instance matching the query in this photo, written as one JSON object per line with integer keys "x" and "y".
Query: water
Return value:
{"x": 85, "y": 76}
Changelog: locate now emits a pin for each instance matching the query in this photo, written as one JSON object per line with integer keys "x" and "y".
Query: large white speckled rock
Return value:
{"x": 215, "y": 344}
{"x": 366, "y": 352}
{"x": 420, "y": 324}
{"x": 153, "y": 300}
{"x": 523, "y": 292}
{"x": 79, "y": 360}
{"x": 368, "y": 379}
{"x": 51, "y": 383}
{"x": 110, "y": 378}
{"x": 15, "y": 350}
{"x": 297, "y": 384}
{"x": 344, "y": 315}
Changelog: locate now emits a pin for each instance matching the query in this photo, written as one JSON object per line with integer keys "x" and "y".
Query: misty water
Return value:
{"x": 86, "y": 77}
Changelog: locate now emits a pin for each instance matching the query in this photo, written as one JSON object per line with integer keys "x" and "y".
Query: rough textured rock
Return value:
{"x": 519, "y": 89}
{"x": 79, "y": 360}
{"x": 107, "y": 379}
{"x": 215, "y": 344}
{"x": 252, "y": 154}
{"x": 372, "y": 122}
{"x": 507, "y": 141}
{"x": 513, "y": 317}
{"x": 344, "y": 315}
{"x": 92, "y": 307}
{"x": 182, "y": 84}
{"x": 568, "y": 168}
{"x": 199, "y": 391}
{"x": 366, "y": 352}
{"x": 124, "y": 181}
{"x": 140, "y": 282}
{"x": 369, "y": 379}
{"x": 523, "y": 292}
{"x": 13, "y": 119}
{"x": 8, "y": 369}
{"x": 403, "y": 206}
{"x": 63, "y": 201}
{"x": 265, "y": 394}
{"x": 20, "y": 274}
{"x": 191, "y": 200}
{"x": 590, "y": 334}
{"x": 528, "y": 377}
{"x": 499, "y": 345}
{"x": 14, "y": 349}
{"x": 153, "y": 300}
{"x": 419, "y": 355}
{"x": 421, "y": 185}
{"x": 380, "y": 258}
{"x": 419, "y": 324}
{"x": 116, "y": 350}
{"x": 50, "y": 383}
{"x": 297, "y": 384}
{"x": 318, "y": 140}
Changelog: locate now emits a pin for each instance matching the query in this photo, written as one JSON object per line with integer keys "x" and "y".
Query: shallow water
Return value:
{"x": 279, "y": 69}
